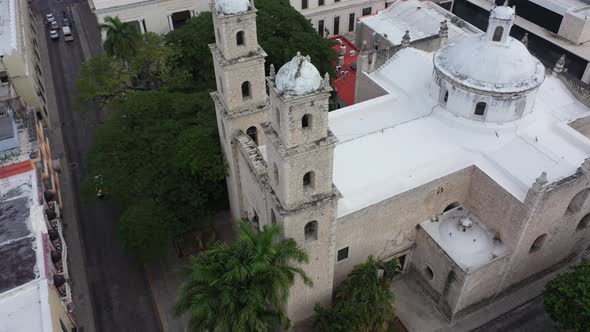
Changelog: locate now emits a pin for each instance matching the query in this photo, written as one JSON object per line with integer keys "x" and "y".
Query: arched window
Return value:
{"x": 538, "y": 243}
{"x": 577, "y": 201}
{"x": 240, "y": 38}
{"x": 451, "y": 206}
{"x": 246, "y": 90}
{"x": 253, "y": 133}
{"x": 278, "y": 116}
{"x": 428, "y": 273}
{"x": 306, "y": 121}
{"x": 498, "y": 32}
{"x": 584, "y": 222}
{"x": 311, "y": 231}
{"x": 480, "y": 108}
{"x": 273, "y": 217}
{"x": 218, "y": 35}
{"x": 276, "y": 174}
{"x": 221, "y": 84}
{"x": 446, "y": 97}
{"x": 222, "y": 130}
{"x": 309, "y": 180}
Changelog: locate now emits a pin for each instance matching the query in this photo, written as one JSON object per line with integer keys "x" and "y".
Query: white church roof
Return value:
{"x": 481, "y": 64}
{"x": 230, "y": 7}
{"x": 397, "y": 142}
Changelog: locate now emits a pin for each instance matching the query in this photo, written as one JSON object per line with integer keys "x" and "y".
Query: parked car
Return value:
{"x": 66, "y": 21}
{"x": 54, "y": 25}
{"x": 50, "y": 18}
{"x": 67, "y": 33}
{"x": 54, "y": 34}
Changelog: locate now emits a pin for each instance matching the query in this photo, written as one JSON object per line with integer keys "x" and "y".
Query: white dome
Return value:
{"x": 232, "y": 6}
{"x": 484, "y": 65}
{"x": 502, "y": 13}
{"x": 298, "y": 76}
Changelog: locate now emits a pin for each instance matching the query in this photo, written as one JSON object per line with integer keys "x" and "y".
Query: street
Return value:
{"x": 116, "y": 295}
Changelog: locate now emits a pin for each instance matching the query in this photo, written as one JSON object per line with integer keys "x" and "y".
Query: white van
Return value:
{"x": 67, "y": 33}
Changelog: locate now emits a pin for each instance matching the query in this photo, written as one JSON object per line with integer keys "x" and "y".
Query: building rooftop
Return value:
{"x": 345, "y": 81}
{"x": 467, "y": 241}
{"x": 107, "y": 4}
{"x": 421, "y": 18}
{"x": 404, "y": 139}
{"x": 7, "y": 26}
{"x": 562, "y": 6}
{"x": 26, "y": 308}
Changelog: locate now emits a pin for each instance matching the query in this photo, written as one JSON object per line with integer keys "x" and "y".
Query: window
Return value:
{"x": 320, "y": 2}
{"x": 451, "y": 206}
{"x": 578, "y": 201}
{"x": 303, "y": 4}
{"x": 306, "y": 121}
{"x": 276, "y": 174}
{"x": 309, "y": 180}
{"x": 221, "y": 84}
{"x": 336, "y": 25}
{"x": 584, "y": 222}
{"x": 240, "y": 38}
{"x": 321, "y": 27}
{"x": 273, "y": 217}
{"x": 3, "y": 77}
{"x": 498, "y": 34}
{"x": 218, "y": 35}
{"x": 179, "y": 19}
{"x": 351, "y": 22}
{"x": 480, "y": 109}
{"x": 253, "y": 133}
{"x": 446, "y": 97}
{"x": 428, "y": 273}
{"x": 222, "y": 130}
{"x": 278, "y": 116}
{"x": 246, "y": 90}
{"x": 342, "y": 254}
{"x": 311, "y": 231}
{"x": 538, "y": 243}
{"x": 367, "y": 11}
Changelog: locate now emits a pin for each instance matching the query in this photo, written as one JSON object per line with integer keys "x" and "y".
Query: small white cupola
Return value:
{"x": 500, "y": 23}
{"x": 298, "y": 77}
{"x": 231, "y": 7}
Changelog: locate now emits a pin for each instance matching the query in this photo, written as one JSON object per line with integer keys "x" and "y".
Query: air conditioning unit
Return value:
{"x": 352, "y": 52}
{"x": 339, "y": 41}
{"x": 338, "y": 68}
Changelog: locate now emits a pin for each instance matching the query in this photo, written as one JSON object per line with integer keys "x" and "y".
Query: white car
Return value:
{"x": 54, "y": 25}
{"x": 54, "y": 34}
{"x": 50, "y": 18}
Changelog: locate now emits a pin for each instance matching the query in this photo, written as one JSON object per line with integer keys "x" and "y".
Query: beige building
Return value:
{"x": 462, "y": 162}
{"x": 19, "y": 56}
{"x": 159, "y": 16}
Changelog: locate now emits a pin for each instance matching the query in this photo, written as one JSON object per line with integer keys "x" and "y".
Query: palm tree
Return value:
{"x": 242, "y": 286}
{"x": 122, "y": 39}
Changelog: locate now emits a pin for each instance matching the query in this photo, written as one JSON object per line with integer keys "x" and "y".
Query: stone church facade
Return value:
{"x": 468, "y": 235}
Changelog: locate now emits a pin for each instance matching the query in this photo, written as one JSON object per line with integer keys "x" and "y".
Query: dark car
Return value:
{"x": 66, "y": 21}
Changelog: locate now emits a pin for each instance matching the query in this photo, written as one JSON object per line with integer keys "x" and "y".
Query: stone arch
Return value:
{"x": 311, "y": 231}
{"x": 428, "y": 273}
{"x": 583, "y": 223}
{"x": 246, "y": 90}
{"x": 278, "y": 117}
{"x": 451, "y": 206}
{"x": 309, "y": 180}
{"x": 538, "y": 243}
{"x": 306, "y": 121}
{"x": 498, "y": 32}
{"x": 253, "y": 133}
{"x": 240, "y": 38}
{"x": 273, "y": 217}
{"x": 480, "y": 108}
{"x": 578, "y": 201}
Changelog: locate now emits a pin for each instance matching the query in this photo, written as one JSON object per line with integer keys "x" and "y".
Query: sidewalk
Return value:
{"x": 83, "y": 307}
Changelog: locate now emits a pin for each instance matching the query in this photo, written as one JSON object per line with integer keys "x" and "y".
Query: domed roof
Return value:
{"x": 298, "y": 76}
{"x": 490, "y": 66}
{"x": 232, "y": 6}
{"x": 502, "y": 13}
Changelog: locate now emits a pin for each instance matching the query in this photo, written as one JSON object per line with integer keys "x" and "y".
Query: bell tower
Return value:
{"x": 300, "y": 155}
{"x": 500, "y": 23}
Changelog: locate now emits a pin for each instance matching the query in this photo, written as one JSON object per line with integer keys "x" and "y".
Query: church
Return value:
{"x": 465, "y": 166}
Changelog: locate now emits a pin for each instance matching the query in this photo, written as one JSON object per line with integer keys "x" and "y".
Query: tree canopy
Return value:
{"x": 242, "y": 286}
{"x": 159, "y": 150}
{"x": 567, "y": 299}
{"x": 363, "y": 301}
{"x": 282, "y": 32}
{"x": 121, "y": 38}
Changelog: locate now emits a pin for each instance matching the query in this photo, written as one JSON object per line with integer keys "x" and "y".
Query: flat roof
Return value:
{"x": 421, "y": 18}
{"x": 26, "y": 308}
{"x": 7, "y": 26}
{"x": 404, "y": 139}
{"x": 345, "y": 81}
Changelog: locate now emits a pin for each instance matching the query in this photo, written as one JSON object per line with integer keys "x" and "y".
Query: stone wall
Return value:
{"x": 579, "y": 89}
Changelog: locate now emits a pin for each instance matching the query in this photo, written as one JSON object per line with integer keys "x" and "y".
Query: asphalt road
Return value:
{"x": 120, "y": 295}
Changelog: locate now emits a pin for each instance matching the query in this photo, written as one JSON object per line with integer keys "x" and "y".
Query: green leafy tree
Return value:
{"x": 282, "y": 31}
{"x": 160, "y": 150}
{"x": 121, "y": 38}
{"x": 567, "y": 299}
{"x": 364, "y": 294}
{"x": 242, "y": 286}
